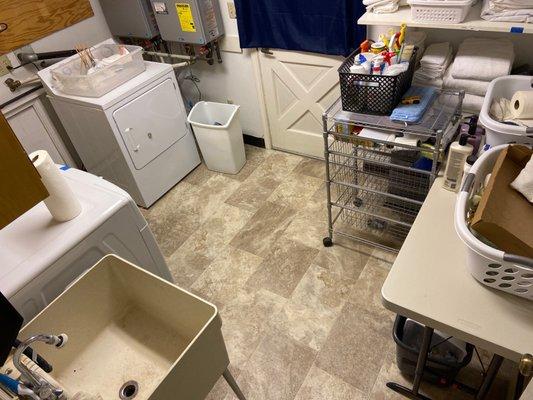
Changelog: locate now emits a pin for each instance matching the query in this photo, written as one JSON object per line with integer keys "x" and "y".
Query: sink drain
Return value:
{"x": 129, "y": 390}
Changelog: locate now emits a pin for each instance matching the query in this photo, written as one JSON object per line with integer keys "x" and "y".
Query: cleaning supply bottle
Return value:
{"x": 459, "y": 151}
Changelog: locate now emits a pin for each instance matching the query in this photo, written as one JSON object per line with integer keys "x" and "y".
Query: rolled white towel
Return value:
{"x": 483, "y": 59}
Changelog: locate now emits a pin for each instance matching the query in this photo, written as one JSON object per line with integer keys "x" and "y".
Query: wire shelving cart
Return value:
{"x": 375, "y": 187}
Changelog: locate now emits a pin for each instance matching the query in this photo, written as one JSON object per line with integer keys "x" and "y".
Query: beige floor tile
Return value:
{"x": 311, "y": 167}
{"x": 263, "y": 229}
{"x": 226, "y": 275}
{"x": 206, "y": 243}
{"x": 309, "y": 226}
{"x": 219, "y": 391}
{"x": 283, "y": 268}
{"x": 253, "y": 192}
{"x": 314, "y": 306}
{"x": 254, "y": 157}
{"x": 319, "y": 385}
{"x": 199, "y": 175}
{"x": 277, "y": 165}
{"x": 244, "y": 322}
{"x": 355, "y": 348}
{"x": 307, "y": 325}
{"x": 345, "y": 256}
{"x": 366, "y": 293}
{"x": 170, "y": 222}
{"x": 295, "y": 191}
{"x": 276, "y": 369}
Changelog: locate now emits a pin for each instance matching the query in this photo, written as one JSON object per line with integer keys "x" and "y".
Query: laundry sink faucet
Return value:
{"x": 40, "y": 386}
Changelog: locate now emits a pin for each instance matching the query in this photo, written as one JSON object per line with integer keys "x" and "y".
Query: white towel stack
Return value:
{"x": 433, "y": 65}
{"x": 508, "y": 10}
{"x": 383, "y": 6}
{"x": 478, "y": 61}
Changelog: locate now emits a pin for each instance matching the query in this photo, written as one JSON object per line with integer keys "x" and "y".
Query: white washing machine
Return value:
{"x": 135, "y": 136}
{"x": 39, "y": 257}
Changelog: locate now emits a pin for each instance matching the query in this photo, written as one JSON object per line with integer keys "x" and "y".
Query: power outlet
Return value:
{"x": 231, "y": 10}
{"x": 4, "y": 64}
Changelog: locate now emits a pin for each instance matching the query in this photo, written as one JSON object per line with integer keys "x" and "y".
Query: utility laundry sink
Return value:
{"x": 125, "y": 324}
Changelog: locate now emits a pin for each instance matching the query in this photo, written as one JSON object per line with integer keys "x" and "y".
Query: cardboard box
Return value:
{"x": 504, "y": 216}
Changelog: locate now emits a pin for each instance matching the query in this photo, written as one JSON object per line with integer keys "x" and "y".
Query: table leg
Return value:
{"x": 419, "y": 371}
{"x": 519, "y": 387}
{"x": 492, "y": 371}
{"x": 233, "y": 384}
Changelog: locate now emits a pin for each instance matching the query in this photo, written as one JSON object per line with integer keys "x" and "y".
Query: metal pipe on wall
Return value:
{"x": 170, "y": 55}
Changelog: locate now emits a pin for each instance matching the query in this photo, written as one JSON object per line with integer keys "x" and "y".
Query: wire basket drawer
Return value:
{"x": 373, "y": 94}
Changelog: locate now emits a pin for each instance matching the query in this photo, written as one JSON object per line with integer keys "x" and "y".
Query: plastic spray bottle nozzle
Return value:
{"x": 463, "y": 140}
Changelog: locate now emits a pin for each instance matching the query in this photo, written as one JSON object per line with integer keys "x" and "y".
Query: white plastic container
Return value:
{"x": 492, "y": 267}
{"x": 70, "y": 77}
{"x": 457, "y": 155}
{"x": 448, "y": 11}
{"x": 218, "y": 131}
{"x": 497, "y": 132}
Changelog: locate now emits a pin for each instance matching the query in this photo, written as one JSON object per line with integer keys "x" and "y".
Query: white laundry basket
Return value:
{"x": 218, "y": 131}
{"x": 448, "y": 11}
{"x": 497, "y": 132}
{"x": 492, "y": 267}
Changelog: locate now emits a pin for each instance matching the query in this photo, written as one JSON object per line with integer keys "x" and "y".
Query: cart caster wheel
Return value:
{"x": 358, "y": 202}
{"x": 327, "y": 242}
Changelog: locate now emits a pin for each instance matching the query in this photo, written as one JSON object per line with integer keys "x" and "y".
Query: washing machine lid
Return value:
{"x": 34, "y": 241}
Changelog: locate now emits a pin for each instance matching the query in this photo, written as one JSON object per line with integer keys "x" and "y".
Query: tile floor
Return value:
{"x": 301, "y": 322}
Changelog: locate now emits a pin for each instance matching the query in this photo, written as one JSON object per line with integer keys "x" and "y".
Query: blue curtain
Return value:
{"x": 319, "y": 26}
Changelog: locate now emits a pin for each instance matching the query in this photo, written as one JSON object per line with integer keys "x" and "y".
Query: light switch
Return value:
{"x": 231, "y": 10}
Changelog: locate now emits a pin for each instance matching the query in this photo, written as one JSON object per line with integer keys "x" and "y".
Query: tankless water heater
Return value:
{"x": 188, "y": 21}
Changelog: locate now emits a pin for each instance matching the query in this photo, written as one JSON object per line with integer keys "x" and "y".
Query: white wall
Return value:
{"x": 89, "y": 31}
{"x": 232, "y": 80}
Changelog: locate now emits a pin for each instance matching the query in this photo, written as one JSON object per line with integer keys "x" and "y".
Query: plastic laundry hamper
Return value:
{"x": 497, "y": 132}
{"x": 448, "y": 11}
{"x": 492, "y": 267}
{"x": 446, "y": 357}
{"x": 218, "y": 131}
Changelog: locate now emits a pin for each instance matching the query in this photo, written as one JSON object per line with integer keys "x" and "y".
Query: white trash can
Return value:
{"x": 218, "y": 131}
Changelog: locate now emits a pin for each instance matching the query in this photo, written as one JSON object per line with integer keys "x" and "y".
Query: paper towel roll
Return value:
{"x": 522, "y": 104}
{"x": 62, "y": 202}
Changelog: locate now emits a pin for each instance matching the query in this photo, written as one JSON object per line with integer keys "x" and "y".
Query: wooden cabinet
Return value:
{"x": 21, "y": 187}
{"x": 25, "y": 21}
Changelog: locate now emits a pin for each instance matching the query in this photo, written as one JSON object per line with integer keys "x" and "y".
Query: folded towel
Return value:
{"x": 483, "y": 59}
{"x": 524, "y": 181}
{"x": 436, "y": 83}
{"x": 507, "y": 12}
{"x": 413, "y": 113}
{"x": 471, "y": 86}
{"x": 437, "y": 55}
{"x": 473, "y": 103}
{"x": 381, "y": 6}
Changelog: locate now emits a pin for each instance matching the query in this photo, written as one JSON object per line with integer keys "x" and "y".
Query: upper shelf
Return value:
{"x": 473, "y": 22}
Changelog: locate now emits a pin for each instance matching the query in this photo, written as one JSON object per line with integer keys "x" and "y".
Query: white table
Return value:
{"x": 430, "y": 283}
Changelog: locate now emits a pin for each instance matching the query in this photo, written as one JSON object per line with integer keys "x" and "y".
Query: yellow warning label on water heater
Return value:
{"x": 185, "y": 17}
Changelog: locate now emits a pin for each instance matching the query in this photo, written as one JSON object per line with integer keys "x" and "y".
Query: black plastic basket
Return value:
{"x": 438, "y": 370}
{"x": 373, "y": 94}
